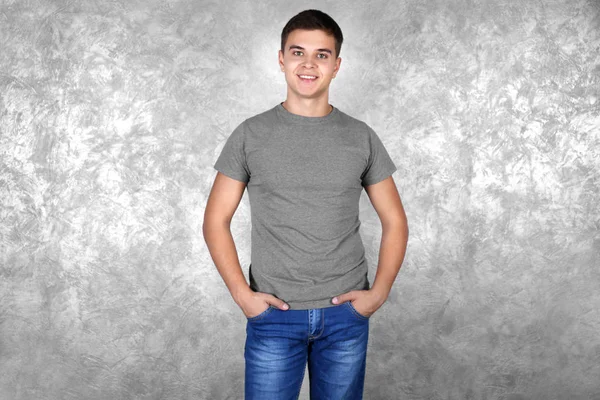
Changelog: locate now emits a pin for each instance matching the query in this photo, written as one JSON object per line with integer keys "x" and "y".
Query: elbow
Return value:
{"x": 398, "y": 224}
{"x": 213, "y": 223}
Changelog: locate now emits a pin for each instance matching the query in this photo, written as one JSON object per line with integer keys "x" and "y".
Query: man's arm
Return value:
{"x": 224, "y": 198}
{"x": 386, "y": 201}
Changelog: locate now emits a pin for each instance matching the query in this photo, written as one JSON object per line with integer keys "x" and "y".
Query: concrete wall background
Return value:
{"x": 112, "y": 114}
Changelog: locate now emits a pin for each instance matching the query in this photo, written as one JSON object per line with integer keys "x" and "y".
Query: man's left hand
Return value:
{"x": 366, "y": 302}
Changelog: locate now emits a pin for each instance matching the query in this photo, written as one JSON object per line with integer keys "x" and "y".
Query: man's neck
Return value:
{"x": 309, "y": 108}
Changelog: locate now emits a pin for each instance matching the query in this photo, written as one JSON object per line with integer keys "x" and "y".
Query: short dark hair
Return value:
{"x": 311, "y": 20}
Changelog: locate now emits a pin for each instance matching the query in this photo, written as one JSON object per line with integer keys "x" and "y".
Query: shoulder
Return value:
{"x": 254, "y": 123}
{"x": 262, "y": 119}
{"x": 355, "y": 127}
{"x": 353, "y": 123}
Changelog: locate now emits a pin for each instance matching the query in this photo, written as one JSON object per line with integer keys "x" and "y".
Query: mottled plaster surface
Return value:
{"x": 113, "y": 113}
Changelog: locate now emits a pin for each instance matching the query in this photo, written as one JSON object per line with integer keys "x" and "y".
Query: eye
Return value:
{"x": 324, "y": 55}
{"x": 296, "y": 51}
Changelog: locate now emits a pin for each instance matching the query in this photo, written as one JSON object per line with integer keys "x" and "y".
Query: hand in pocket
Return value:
{"x": 257, "y": 303}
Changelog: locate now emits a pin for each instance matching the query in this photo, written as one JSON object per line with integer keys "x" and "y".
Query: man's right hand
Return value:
{"x": 255, "y": 303}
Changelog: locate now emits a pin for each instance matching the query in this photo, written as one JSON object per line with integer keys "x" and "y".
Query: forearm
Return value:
{"x": 221, "y": 246}
{"x": 394, "y": 239}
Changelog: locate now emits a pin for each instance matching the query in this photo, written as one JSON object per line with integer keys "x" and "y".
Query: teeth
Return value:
{"x": 307, "y": 77}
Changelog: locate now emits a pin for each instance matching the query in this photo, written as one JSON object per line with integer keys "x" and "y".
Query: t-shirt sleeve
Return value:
{"x": 380, "y": 164}
{"x": 232, "y": 160}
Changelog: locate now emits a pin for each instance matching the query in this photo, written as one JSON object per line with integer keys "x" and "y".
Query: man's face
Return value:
{"x": 309, "y": 53}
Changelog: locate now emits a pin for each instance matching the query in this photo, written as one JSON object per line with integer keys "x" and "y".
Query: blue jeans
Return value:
{"x": 333, "y": 340}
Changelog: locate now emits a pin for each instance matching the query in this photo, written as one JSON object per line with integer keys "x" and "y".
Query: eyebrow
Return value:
{"x": 295, "y": 46}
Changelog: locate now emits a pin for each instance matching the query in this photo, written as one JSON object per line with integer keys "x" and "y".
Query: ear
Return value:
{"x": 280, "y": 57}
{"x": 338, "y": 62}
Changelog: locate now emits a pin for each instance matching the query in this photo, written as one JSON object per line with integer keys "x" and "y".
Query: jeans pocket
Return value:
{"x": 354, "y": 312}
{"x": 262, "y": 314}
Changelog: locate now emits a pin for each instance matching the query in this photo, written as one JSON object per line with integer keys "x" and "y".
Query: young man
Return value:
{"x": 305, "y": 163}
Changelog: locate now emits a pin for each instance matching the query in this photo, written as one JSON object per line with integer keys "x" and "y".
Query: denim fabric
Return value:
{"x": 333, "y": 340}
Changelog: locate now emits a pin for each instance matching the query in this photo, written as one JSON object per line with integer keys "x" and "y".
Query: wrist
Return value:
{"x": 380, "y": 294}
{"x": 241, "y": 292}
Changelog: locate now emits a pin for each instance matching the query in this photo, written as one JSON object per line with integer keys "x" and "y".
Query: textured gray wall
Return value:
{"x": 112, "y": 114}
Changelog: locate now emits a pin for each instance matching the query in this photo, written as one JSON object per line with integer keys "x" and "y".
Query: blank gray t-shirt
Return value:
{"x": 304, "y": 177}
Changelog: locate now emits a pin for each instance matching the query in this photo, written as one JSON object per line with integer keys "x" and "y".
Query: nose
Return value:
{"x": 309, "y": 63}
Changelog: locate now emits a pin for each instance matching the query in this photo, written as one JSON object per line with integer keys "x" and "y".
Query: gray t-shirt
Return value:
{"x": 304, "y": 177}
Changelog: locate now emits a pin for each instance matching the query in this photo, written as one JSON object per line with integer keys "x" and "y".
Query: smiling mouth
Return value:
{"x": 307, "y": 80}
